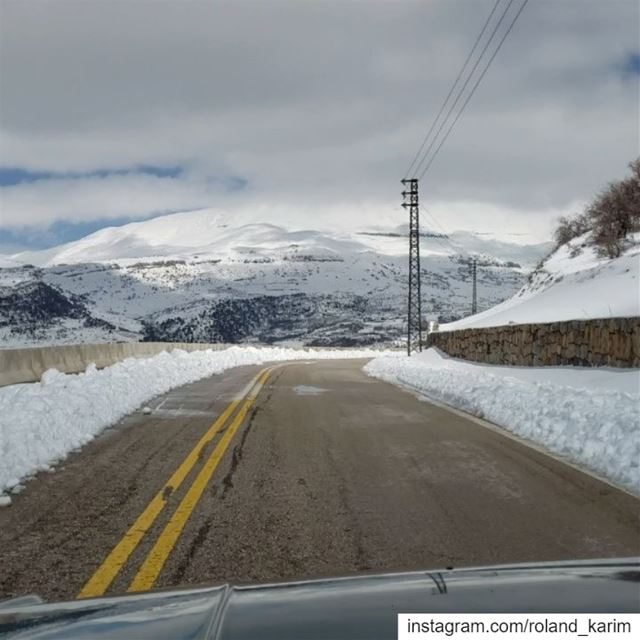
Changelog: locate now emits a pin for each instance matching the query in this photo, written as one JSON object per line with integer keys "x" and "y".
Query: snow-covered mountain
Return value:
{"x": 572, "y": 283}
{"x": 207, "y": 276}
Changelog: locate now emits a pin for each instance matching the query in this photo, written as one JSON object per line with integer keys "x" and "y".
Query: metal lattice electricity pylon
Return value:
{"x": 474, "y": 295}
{"x": 414, "y": 315}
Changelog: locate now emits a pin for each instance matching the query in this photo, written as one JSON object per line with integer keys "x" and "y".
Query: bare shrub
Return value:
{"x": 615, "y": 213}
{"x": 570, "y": 228}
{"x": 612, "y": 215}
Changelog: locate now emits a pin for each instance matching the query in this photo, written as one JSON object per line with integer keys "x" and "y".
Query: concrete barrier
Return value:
{"x": 28, "y": 365}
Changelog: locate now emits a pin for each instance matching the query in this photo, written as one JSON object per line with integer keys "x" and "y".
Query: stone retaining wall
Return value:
{"x": 613, "y": 342}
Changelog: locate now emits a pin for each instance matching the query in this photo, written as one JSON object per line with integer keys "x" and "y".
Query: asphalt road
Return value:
{"x": 318, "y": 471}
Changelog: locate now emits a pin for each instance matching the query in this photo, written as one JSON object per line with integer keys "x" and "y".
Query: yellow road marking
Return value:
{"x": 155, "y": 560}
{"x": 110, "y": 567}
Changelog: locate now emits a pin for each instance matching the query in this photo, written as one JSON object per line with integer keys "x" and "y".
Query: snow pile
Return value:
{"x": 590, "y": 416}
{"x": 41, "y": 423}
{"x": 573, "y": 283}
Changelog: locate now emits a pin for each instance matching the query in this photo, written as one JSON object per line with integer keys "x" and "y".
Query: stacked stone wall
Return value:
{"x": 613, "y": 342}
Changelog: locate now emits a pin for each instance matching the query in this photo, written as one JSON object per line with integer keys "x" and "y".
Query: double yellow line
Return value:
{"x": 146, "y": 576}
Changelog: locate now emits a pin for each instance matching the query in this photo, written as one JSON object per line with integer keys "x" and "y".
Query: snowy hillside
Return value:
{"x": 196, "y": 276}
{"x": 210, "y": 233}
{"x": 572, "y": 283}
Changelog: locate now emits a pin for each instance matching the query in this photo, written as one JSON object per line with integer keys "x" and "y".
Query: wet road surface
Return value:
{"x": 304, "y": 470}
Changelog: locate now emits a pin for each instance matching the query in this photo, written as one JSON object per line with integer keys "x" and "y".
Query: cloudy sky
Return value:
{"x": 115, "y": 110}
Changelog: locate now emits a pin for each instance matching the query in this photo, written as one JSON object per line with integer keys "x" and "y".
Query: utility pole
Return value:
{"x": 414, "y": 314}
{"x": 474, "y": 295}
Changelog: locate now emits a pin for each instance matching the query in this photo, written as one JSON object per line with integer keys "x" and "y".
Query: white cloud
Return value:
{"x": 81, "y": 199}
{"x": 318, "y": 105}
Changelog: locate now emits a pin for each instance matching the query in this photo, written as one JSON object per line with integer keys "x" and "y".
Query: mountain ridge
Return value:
{"x": 201, "y": 276}
{"x": 182, "y": 234}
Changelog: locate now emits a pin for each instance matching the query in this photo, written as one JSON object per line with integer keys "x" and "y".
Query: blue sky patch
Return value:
{"x": 236, "y": 184}
{"x": 43, "y": 236}
{"x": 631, "y": 64}
{"x": 15, "y": 175}
{"x": 17, "y": 239}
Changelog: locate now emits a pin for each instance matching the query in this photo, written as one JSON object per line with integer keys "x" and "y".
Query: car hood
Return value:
{"x": 364, "y": 606}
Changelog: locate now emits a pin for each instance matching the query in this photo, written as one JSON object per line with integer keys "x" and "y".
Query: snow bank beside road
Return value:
{"x": 41, "y": 423}
{"x": 589, "y": 416}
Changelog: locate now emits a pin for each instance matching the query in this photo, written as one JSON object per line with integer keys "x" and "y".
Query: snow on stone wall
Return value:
{"x": 611, "y": 342}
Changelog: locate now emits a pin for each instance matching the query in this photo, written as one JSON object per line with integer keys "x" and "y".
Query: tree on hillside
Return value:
{"x": 570, "y": 228}
{"x": 612, "y": 215}
{"x": 615, "y": 213}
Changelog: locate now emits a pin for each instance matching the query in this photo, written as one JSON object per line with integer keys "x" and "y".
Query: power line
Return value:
{"x": 435, "y": 221}
{"x": 443, "y": 238}
{"x": 433, "y": 218}
{"x": 453, "y": 86}
{"x": 464, "y": 86}
{"x": 440, "y": 239}
{"x": 442, "y": 242}
{"x": 473, "y": 90}
{"x": 457, "y": 248}
{"x": 466, "y": 82}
